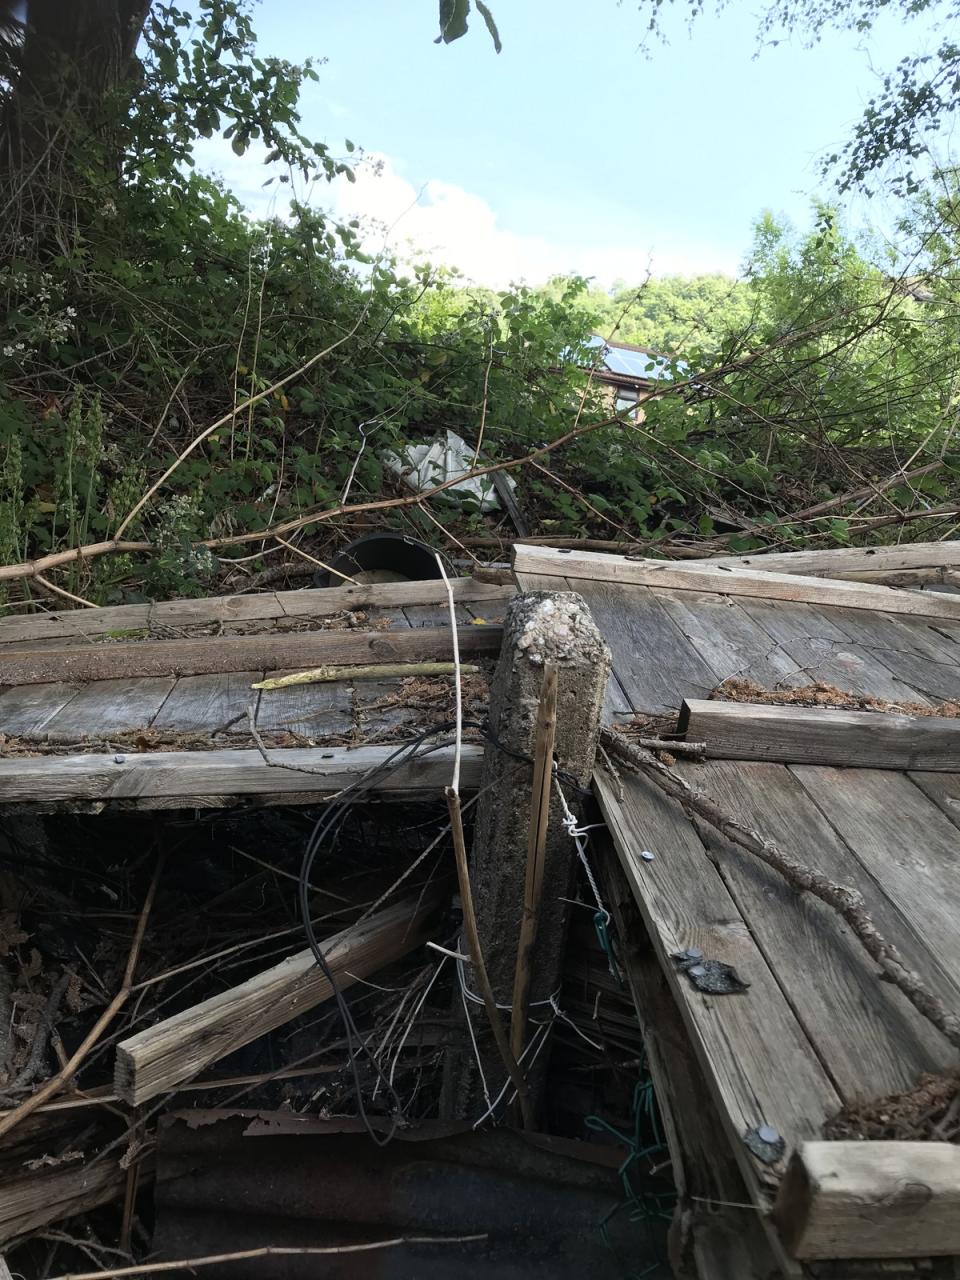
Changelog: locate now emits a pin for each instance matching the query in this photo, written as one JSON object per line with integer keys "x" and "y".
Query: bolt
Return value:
{"x": 119, "y": 759}
{"x": 766, "y": 1133}
{"x": 647, "y": 856}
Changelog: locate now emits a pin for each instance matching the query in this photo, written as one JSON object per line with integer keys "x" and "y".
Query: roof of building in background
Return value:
{"x": 626, "y": 360}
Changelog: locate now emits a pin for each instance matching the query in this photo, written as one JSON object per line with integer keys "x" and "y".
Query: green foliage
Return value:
{"x": 453, "y": 21}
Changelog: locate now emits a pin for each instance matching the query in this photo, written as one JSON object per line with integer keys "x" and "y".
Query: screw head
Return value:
{"x": 694, "y": 953}
{"x": 647, "y": 856}
{"x": 767, "y": 1133}
{"x": 119, "y": 759}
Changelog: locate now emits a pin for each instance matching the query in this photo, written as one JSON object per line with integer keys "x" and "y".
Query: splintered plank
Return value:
{"x": 821, "y": 735}
{"x": 824, "y": 972}
{"x": 729, "y": 640}
{"x": 754, "y": 1052}
{"x": 311, "y": 710}
{"x": 152, "y": 779}
{"x": 906, "y": 844}
{"x": 155, "y": 1060}
{"x": 110, "y": 706}
{"x": 825, "y": 653}
{"x": 656, "y": 664}
{"x": 242, "y": 653}
{"x": 208, "y": 702}
{"x": 27, "y": 708}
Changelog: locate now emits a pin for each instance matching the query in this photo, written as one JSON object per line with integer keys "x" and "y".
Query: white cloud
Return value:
{"x": 449, "y": 225}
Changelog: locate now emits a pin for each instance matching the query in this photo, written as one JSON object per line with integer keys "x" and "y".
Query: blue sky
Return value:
{"x": 573, "y": 149}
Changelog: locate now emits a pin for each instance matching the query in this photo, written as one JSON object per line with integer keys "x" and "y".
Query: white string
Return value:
{"x": 356, "y": 462}
{"x": 577, "y": 833}
{"x": 414, "y": 1016}
{"x": 543, "y": 1032}
{"x": 570, "y": 1022}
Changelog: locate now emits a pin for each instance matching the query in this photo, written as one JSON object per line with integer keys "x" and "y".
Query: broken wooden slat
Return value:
{"x": 871, "y": 1200}
{"x": 705, "y": 576}
{"x": 207, "y": 703}
{"x": 217, "y": 654}
{"x": 820, "y": 735}
{"x": 189, "y": 777}
{"x": 160, "y": 1057}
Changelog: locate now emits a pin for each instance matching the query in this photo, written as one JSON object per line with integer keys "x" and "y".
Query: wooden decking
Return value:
{"x": 296, "y": 721}
{"x": 816, "y": 1028}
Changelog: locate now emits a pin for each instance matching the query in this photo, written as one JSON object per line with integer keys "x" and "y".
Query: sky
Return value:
{"x": 582, "y": 147}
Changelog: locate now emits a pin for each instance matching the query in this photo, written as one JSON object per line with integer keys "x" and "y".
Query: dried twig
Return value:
{"x": 268, "y": 1251}
{"x": 41, "y": 1038}
{"x": 66, "y": 1074}
{"x": 305, "y": 555}
{"x": 375, "y": 671}
{"x": 67, "y": 595}
{"x": 847, "y": 902}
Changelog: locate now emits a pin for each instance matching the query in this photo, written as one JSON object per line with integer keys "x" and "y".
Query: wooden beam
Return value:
{"x": 846, "y": 560}
{"x": 159, "y": 1058}
{"x": 731, "y": 581}
{"x": 93, "y": 624}
{"x": 161, "y": 778}
{"x": 821, "y": 735}
{"x": 871, "y": 1200}
{"x": 241, "y": 653}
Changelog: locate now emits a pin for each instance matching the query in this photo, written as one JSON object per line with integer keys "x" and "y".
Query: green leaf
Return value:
{"x": 487, "y": 16}
{"x": 453, "y": 20}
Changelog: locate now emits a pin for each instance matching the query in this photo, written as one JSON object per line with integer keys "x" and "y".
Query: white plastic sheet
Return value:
{"x": 424, "y": 466}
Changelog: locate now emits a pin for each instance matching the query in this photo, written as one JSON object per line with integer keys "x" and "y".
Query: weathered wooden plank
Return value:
{"x": 729, "y": 640}
{"x": 208, "y": 702}
{"x": 943, "y": 790}
{"x": 825, "y": 974}
{"x": 825, "y": 653}
{"x": 188, "y": 775}
{"x": 910, "y": 555}
{"x": 706, "y": 576}
{"x": 313, "y": 710}
{"x": 378, "y": 722}
{"x": 819, "y": 735}
{"x": 93, "y": 624}
{"x": 73, "y": 624}
{"x": 871, "y": 1200}
{"x": 909, "y": 647}
{"x": 436, "y": 615}
{"x": 242, "y": 653}
{"x": 903, "y": 841}
{"x": 755, "y": 1055}
{"x": 160, "y": 1057}
{"x": 110, "y": 706}
{"x": 655, "y": 663}
{"x": 27, "y": 708}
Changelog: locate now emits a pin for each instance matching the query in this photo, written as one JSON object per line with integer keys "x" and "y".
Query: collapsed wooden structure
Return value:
{"x": 150, "y": 707}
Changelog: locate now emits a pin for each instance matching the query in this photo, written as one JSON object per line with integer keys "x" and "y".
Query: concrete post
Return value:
{"x": 540, "y": 627}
